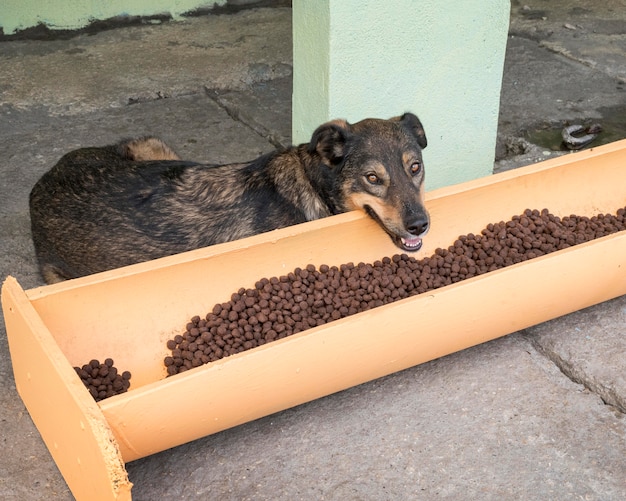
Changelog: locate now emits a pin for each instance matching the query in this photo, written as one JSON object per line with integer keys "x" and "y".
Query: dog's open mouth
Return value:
{"x": 412, "y": 244}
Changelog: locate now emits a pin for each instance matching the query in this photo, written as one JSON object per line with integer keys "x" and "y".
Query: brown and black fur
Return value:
{"x": 102, "y": 208}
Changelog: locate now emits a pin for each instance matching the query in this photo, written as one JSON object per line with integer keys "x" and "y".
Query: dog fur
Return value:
{"x": 102, "y": 208}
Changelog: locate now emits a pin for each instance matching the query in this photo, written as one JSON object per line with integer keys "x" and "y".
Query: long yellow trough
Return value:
{"x": 128, "y": 314}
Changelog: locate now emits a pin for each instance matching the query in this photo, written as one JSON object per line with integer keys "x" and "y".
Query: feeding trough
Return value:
{"x": 128, "y": 315}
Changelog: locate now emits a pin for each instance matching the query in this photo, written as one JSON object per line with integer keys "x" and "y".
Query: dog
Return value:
{"x": 105, "y": 207}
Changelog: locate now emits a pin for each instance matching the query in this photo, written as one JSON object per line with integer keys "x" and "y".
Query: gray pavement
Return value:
{"x": 539, "y": 414}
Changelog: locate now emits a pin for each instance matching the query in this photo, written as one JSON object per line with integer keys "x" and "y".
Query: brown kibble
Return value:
{"x": 102, "y": 380}
{"x": 307, "y": 297}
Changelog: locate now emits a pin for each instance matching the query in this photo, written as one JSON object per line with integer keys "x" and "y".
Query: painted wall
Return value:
{"x": 370, "y": 58}
{"x": 74, "y": 14}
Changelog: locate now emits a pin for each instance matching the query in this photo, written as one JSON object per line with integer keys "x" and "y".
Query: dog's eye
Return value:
{"x": 372, "y": 179}
{"x": 415, "y": 168}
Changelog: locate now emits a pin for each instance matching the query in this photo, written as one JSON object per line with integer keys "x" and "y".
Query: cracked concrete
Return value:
{"x": 585, "y": 350}
{"x": 252, "y": 106}
{"x": 537, "y": 415}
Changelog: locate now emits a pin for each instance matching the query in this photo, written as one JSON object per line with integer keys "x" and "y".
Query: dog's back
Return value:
{"x": 99, "y": 209}
{"x": 60, "y": 206}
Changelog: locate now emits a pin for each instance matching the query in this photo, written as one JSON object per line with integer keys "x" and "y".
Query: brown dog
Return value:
{"x": 102, "y": 208}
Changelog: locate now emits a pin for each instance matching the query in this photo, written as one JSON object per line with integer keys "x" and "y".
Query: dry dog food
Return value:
{"x": 103, "y": 380}
{"x": 307, "y": 297}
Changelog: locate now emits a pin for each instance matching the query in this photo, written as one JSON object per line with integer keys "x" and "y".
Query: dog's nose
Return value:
{"x": 418, "y": 227}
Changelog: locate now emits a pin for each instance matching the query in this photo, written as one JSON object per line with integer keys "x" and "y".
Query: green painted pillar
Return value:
{"x": 443, "y": 61}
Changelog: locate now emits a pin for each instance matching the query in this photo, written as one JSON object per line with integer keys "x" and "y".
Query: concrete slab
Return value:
{"x": 520, "y": 417}
{"x": 593, "y": 37}
{"x": 143, "y": 63}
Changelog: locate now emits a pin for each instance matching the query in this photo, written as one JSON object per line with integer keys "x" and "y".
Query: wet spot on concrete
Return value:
{"x": 613, "y": 124}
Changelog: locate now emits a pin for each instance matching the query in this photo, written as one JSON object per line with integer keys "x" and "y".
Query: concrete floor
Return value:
{"x": 538, "y": 414}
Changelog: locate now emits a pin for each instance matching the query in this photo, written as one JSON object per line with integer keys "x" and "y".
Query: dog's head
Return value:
{"x": 376, "y": 165}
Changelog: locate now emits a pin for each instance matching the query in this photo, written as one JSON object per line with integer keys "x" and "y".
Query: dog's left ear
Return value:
{"x": 330, "y": 141}
{"x": 413, "y": 124}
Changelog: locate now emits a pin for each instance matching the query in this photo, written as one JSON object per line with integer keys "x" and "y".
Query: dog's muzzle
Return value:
{"x": 413, "y": 243}
{"x": 419, "y": 228}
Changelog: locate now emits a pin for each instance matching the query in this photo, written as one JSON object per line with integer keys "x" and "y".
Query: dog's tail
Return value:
{"x": 146, "y": 148}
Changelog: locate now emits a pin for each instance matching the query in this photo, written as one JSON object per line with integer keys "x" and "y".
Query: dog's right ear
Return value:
{"x": 413, "y": 124}
{"x": 330, "y": 141}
